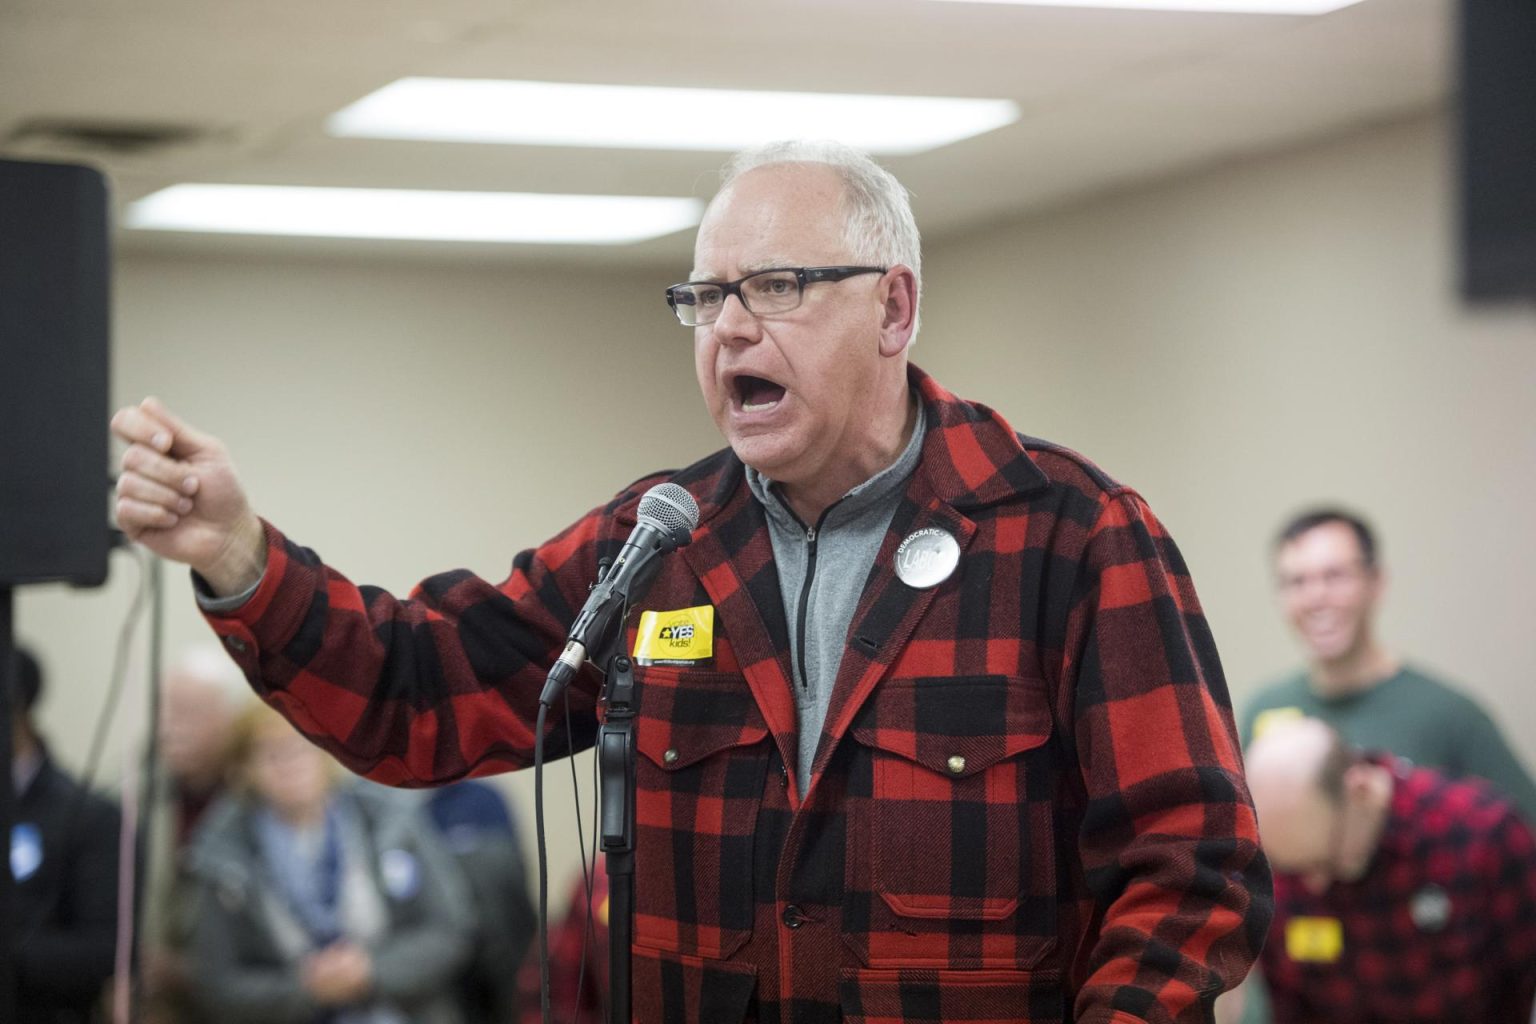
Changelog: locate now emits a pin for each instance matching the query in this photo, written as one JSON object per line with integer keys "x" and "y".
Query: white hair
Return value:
{"x": 207, "y": 665}
{"x": 878, "y": 225}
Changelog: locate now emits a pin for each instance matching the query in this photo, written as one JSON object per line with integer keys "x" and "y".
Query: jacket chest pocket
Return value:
{"x": 704, "y": 752}
{"x": 956, "y": 862}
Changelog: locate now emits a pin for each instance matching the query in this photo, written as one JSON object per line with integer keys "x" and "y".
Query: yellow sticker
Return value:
{"x": 682, "y": 637}
{"x": 1314, "y": 940}
{"x": 1267, "y": 720}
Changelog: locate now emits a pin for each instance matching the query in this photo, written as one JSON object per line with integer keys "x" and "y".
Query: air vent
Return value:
{"x": 103, "y": 138}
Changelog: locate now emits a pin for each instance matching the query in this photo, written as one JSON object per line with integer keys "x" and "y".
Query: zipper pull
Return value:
{"x": 810, "y": 535}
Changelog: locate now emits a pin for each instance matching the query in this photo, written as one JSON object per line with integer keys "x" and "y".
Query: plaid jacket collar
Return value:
{"x": 971, "y": 458}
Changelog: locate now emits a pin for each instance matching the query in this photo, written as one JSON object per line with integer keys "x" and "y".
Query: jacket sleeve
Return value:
{"x": 1169, "y": 840}
{"x": 424, "y": 690}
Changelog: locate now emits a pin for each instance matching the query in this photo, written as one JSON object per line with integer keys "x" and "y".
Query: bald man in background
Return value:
{"x": 1401, "y": 895}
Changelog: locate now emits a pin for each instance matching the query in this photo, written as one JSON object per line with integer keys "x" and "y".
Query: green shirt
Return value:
{"x": 1411, "y": 715}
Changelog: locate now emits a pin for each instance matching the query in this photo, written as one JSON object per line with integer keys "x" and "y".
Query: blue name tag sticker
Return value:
{"x": 26, "y": 850}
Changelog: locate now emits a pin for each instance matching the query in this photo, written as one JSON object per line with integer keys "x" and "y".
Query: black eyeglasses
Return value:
{"x": 697, "y": 303}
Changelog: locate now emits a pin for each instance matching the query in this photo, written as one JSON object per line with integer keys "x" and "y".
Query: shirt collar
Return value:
{"x": 867, "y": 495}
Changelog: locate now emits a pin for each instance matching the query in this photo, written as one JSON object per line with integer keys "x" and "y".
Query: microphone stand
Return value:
{"x": 616, "y": 781}
{"x": 616, "y": 791}
{"x": 600, "y": 624}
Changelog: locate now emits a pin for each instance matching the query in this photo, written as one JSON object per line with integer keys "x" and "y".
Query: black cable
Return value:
{"x": 588, "y": 870}
{"x": 546, "y": 1012}
{"x": 149, "y": 788}
{"x": 590, "y": 936}
{"x": 119, "y": 671}
{"x": 104, "y": 719}
{"x": 538, "y": 830}
{"x": 546, "y": 1009}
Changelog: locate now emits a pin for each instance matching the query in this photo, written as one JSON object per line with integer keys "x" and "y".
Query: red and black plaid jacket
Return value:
{"x": 1441, "y": 929}
{"x": 1027, "y": 805}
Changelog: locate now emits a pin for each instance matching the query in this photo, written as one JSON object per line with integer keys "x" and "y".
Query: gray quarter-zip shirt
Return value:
{"x": 823, "y": 568}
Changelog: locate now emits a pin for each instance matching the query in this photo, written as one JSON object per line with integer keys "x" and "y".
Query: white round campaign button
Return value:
{"x": 1430, "y": 908}
{"x": 26, "y": 850}
{"x": 401, "y": 873}
{"x": 927, "y": 558}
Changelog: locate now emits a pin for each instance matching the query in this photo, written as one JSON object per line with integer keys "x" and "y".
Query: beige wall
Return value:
{"x": 1260, "y": 337}
{"x": 1234, "y": 344}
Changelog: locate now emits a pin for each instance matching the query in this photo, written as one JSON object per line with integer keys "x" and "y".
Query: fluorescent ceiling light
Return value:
{"x": 644, "y": 117}
{"x": 413, "y": 214}
{"x": 1211, "y": 6}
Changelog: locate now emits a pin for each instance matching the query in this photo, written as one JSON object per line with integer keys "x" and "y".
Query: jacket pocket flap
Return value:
{"x": 687, "y": 716}
{"x": 956, "y": 726}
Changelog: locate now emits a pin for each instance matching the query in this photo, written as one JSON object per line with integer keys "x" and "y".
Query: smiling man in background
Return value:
{"x": 1330, "y": 582}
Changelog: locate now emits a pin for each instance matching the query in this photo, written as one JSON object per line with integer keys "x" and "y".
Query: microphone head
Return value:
{"x": 671, "y": 508}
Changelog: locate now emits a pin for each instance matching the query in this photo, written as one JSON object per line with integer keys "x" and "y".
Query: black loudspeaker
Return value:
{"x": 1498, "y": 149}
{"x": 54, "y": 475}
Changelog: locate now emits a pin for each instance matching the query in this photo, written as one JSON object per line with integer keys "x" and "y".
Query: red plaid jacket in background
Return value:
{"x": 1027, "y": 805}
{"x": 1441, "y": 929}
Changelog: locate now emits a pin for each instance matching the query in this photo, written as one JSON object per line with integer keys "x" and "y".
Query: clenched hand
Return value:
{"x": 178, "y": 495}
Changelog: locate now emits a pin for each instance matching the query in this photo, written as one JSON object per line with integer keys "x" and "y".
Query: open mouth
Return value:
{"x": 756, "y": 394}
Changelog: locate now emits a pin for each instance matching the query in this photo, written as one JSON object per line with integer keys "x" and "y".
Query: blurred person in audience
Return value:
{"x": 64, "y": 862}
{"x": 201, "y": 696}
{"x": 1330, "y": 582}
{"x": 478, "y": 828}
{"x": 321, "y": 903}
{"x": 578, "y": 958}
{"x": 1401, "y": 895}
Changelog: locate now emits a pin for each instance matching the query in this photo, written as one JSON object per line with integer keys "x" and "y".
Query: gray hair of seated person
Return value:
{"x": 206, "y": 664}
{"x": 878, "y": 225}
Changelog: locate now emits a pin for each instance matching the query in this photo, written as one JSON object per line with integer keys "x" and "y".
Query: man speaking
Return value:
{"x": 937, "y": 731}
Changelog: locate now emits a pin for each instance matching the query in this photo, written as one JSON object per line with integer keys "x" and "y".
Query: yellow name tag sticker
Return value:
{"x": 682, "y": 637}
{"x": 1314, "y": 940}
{"x": 1267, "y": 720}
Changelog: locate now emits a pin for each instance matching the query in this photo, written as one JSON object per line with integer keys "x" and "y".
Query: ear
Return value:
{"x": 1378, "y": 581}
{"x": 898, "y": 301}
{"x": 1356, "y": 781}
{"x": 1361, "y": 781}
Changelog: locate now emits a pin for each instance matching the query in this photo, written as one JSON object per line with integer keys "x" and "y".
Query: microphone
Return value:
{"x": 665, "y": 521}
